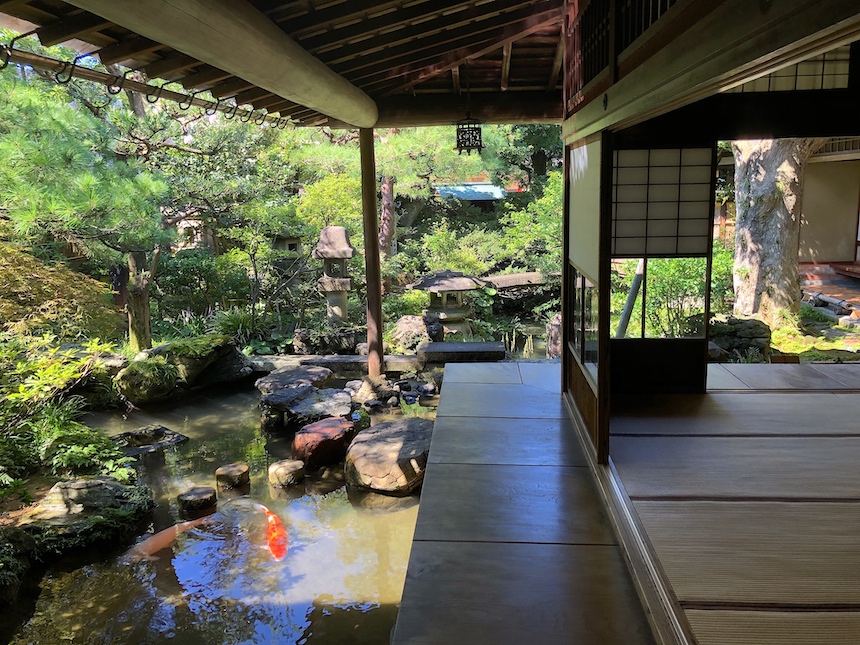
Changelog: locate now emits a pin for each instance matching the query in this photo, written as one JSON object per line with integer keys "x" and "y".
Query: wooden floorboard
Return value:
{"x": 512, "y": 543}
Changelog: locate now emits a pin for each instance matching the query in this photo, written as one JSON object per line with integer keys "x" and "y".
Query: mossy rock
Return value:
{"x": 148, "y": 380}
{"x": 87, "y": 513}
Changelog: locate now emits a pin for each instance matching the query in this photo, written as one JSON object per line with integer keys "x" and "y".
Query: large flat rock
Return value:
{"x": 390, "y": 457}
{"x": 292, "y": 377}
{"x": 319, "y": 404}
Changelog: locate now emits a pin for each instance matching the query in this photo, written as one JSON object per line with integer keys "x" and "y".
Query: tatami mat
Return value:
{"x": 800, "y": 554}
{"x": 775, "y": 628}
{"x": 725, "y": 413}
{"x": 742, "y": 467}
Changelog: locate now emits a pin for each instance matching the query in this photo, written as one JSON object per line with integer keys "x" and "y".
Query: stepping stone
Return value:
{"x": 149, "y": 438}
{"x": 287, "y": 472}
{"x": 293, "y": 376}
{"x": 390, "y": 457}
{"x": 235, "y": 475}
{"x": 323, "y": 443}
{"x": 196, "y": 500}
{"x": 319, "y": 404}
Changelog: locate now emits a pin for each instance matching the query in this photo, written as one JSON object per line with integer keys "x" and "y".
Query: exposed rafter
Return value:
{"x": 554, "y": 74}
{"x": 506, "y": 66}
{"x": 70, "y": 27}
{"x": 127, "y": 49}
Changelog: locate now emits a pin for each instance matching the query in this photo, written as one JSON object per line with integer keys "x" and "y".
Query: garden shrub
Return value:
{"x": 37, "y": 298}
{"x": 39, "y": 421}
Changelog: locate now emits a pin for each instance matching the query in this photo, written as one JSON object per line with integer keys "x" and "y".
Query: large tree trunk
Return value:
{"x": 768, "y": 194}
{"x": 139, "y": 284}
{"x": 387, "y": 218}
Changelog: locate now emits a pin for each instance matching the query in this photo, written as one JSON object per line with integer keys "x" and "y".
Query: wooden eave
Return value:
{"x": 502, "y": 57}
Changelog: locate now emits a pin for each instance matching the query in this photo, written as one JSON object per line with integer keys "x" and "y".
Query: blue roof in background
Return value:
{"x": 475, "y": 192}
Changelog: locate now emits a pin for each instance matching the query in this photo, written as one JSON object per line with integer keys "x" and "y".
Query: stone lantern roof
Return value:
{"x": 448, "y": 282}
{"x": 333, "y": 244}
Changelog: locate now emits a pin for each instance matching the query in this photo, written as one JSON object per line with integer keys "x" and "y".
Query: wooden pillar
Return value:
{"x": 371, "y": 253}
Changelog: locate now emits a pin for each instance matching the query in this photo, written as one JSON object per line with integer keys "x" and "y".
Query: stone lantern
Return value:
{"x": 334, "y": 250}
{"x": 446, "y": 299}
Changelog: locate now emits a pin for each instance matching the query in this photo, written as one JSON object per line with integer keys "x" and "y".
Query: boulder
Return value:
{"x": 147, "y": 380}
{"x": 390, "y": 457}
{"x": 149, "y": 438}
{"x": 742, "y": 338}
{"x": 409, "y": 332}
{"x": 375, "y": 389}
{"x": 323, "y": 443}
{"x": 230, "y": 365}
{"x": 287, "y": 472}
{"x": 87, "y": 512}
{"x": 319, "y": 404}
{"x": 16, "y": 548}
{"x": 293, "y": 376}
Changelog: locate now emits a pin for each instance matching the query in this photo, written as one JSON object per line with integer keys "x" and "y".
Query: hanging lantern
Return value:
{"x": 469, "y": 135}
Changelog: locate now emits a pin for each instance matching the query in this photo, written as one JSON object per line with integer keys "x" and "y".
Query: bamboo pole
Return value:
{"x": 371, "y": 253}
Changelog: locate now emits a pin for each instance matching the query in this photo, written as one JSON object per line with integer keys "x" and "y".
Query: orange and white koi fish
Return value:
{"x": 276, "y": 534}
{"x": 161, "y": 540}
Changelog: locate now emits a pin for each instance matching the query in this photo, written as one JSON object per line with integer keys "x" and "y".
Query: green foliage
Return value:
{"x": 238, "y": 324}
{"x": 335, "y": 200}
{"x": 722, "y": 286}
{"x": 36, "y": 298}
{"x": 411, "y": 302}
{"x": 473, "y": 253}
{"x": 533, "y": 235}
{"x": 195, "y": 281}
{"x": 38, "y": 420}
{"x": 808, "y": 312}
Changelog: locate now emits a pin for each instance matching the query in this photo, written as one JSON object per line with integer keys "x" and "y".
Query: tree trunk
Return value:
{"x": 139, "y": 283}
{"x": 387, "y": 218}
{"x": 768, "y": 194}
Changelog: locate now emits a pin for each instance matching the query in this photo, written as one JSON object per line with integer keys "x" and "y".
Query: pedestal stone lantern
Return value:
{"x": 334, "y": 250}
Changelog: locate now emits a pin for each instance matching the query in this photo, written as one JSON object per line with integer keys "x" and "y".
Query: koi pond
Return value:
{"x": 339, "y": 582}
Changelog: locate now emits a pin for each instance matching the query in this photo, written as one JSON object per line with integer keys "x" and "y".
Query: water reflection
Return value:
{"x": 340, "y": 581}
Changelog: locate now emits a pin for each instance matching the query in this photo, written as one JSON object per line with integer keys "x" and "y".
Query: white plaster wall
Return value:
{"x": 831, "y": 198}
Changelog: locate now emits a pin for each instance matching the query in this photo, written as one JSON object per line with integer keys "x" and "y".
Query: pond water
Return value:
{"x": 340, "y": 582}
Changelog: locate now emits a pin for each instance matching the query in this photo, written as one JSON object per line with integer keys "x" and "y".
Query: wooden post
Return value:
{"x": 371, "y": 253}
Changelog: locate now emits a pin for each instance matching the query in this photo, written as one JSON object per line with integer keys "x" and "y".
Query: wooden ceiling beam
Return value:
{"x": 232, "y": 35}
{"x": 69, "y": 27}
{"x": 361, "y": 56}
{"x": 204, "y": 78}
{"x": 128, "y": 49}
{"x": 495, "y": 107}
{"x": 170, "y": 65}
{"x": 506, "y": 66}
{"x": 405, "y": 24}
{"x": 509, "y": 35}
{"x": 455, "y": 75}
